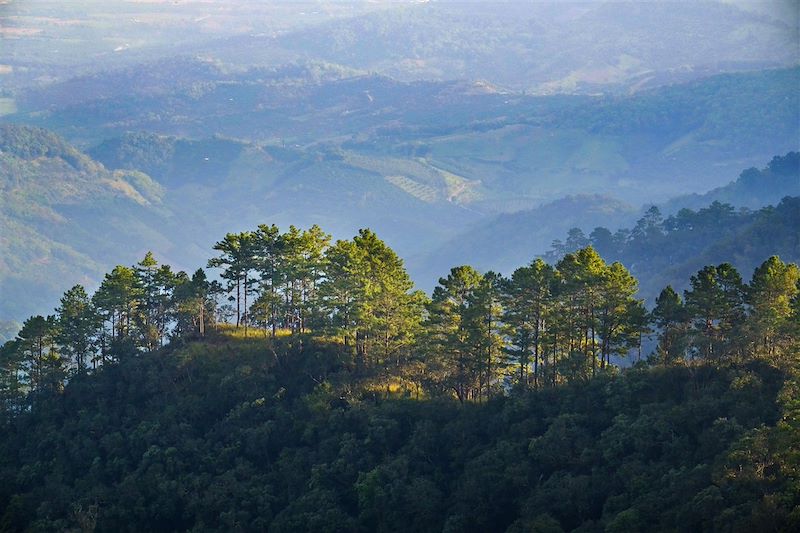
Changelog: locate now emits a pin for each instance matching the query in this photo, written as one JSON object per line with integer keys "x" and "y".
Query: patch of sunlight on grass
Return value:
{"x": 397, "y": 389}
{"x": 230, "y": 330}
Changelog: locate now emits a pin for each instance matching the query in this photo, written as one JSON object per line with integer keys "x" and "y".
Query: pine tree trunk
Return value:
{"x": 238, "y": 298}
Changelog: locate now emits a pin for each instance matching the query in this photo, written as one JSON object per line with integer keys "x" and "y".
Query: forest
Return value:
{"x": 311, "y": 387}
{"x": 399, "y": 265}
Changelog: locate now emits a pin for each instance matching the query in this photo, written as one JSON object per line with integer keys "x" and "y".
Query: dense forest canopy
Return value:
{"x": 312, "y": 388}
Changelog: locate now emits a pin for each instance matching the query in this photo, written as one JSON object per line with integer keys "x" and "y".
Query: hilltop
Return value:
{"x": 313, "y": 388}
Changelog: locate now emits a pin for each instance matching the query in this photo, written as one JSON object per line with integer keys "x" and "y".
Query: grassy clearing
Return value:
{"x": 233, "y": 332}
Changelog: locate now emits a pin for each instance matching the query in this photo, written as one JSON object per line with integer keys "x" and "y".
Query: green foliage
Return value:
{"x": 670, "y": 316}
{"x": 716, "y": 304}
{"x": 667, "y": 251}
{"x": 206, "y": 429}
{"x": 773, "y": 288}
{"x": 77, "y": 325}
{"x": 224, "y": 435}
{"x": 33, "y": 143}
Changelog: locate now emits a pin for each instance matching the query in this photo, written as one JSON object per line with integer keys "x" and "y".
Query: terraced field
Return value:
{"x": 426, "y": 193}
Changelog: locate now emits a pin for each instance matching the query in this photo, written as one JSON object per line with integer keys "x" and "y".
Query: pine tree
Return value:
{"x": 268, "y": 262}
{"x": 773, "y": 287}
{"x": 43, "y": 365}
{"x": 384, "y": 299}
{"x": 314, "y": 242}
{"x": 528, "y": 309}
{"x": 156, "y": 284}
{"x": 340, "y": 290}
{"x": 117, "y": 300}
{"x": 621, "y": 317}
{"x": 715, "y": 304}
{"x": 582, "y": 275}
{"x": 671, "y": 318}
{"x": 448, "y": 334}
{"x": 77, "y": 325}
{"x": 193, "y": 303}
{"x": 486, "y": 345}
{"x": 237, "y": 259}
{"x": 12, "y": 377}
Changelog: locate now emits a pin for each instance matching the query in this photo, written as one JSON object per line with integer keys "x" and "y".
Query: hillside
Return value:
{"x": 234, "y": 434}
{"x": 342, "y": 399}
{"x": 665, "y": 251}
{"x": 63, "y": 216}
{"x": 513, "y": 148}
{"x": 406, "y": 200}
{"x": 753, "y": 188}
{"x": 729, "y": 223}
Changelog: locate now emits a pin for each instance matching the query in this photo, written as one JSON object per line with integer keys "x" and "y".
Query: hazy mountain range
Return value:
{"x": 457, "y": 131}
{"x": 532, "y": 45}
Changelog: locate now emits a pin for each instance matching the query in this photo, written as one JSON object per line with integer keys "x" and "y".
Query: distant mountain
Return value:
{"x": 185, "y": 76}
{"x": 43, "y": 41}
{"x": 512, "y": 151}
{"x": 545, "y": 47}
{"x": 64, "y": 217}
{"x": 224, "y": 183}
{"x": 538, "y": 46}
{"x": 753, "y": 188}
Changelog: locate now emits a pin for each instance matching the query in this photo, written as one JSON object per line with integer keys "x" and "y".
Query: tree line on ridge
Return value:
{"x": 477, "y": 335}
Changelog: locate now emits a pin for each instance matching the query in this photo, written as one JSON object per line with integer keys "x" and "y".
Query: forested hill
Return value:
{"x": 658, "y": 249}
{"x": 225, "y": 436}
{"x": 64, "y": 218}
{"x": 313, "y": 389}
{"x": 754, "y": 188}
{"x": 666, "y": 250}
